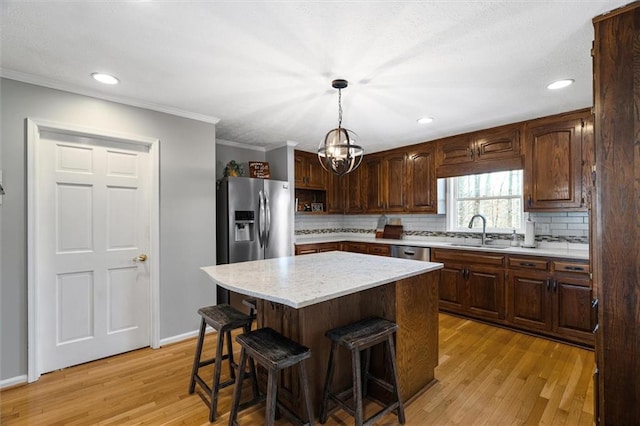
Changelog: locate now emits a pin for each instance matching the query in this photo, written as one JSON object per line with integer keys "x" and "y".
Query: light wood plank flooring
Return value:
{"x": 486, "y": 376}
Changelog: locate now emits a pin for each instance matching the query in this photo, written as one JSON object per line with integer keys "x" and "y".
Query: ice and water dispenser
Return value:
{"x": 244, "y": 225}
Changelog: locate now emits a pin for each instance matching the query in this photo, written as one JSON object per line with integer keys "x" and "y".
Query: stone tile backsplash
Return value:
{"x": 561, "y": 227}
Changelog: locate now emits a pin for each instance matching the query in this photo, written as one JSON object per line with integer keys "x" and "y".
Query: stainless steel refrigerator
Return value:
{"x": 254, "y": 221}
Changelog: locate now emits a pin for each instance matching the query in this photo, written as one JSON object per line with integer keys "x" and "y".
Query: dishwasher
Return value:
{"x": 411, "y": 252}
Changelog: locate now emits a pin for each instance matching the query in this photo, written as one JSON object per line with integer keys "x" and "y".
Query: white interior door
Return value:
{"x": 93, "y": 225}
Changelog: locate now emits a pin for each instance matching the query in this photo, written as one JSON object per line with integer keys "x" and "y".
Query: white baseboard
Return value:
{"x": 184, "y": 336}
{"x": 18, "y": 380}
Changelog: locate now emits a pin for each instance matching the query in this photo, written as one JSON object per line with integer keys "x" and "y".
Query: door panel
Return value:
{"x": 278, "y": 243}
{"x": 93, "y": 220}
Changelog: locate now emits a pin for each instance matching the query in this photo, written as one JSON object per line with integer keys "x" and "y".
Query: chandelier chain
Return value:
{"x": 339, "y": 108}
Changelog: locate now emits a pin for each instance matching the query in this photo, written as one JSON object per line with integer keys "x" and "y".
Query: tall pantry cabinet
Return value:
{"x": 616, "y": 233}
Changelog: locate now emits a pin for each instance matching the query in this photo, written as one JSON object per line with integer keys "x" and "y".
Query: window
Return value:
{"x": 497, "y": 196}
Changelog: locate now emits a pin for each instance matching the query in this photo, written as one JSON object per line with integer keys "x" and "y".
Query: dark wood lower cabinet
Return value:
{"x": 470, "y": 284}
{"x": 550, "y": 297}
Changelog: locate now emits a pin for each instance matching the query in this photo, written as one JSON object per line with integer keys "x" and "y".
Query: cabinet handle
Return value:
{"x": 555, "y": 285}
{"x": 529, "y": 200}
{"x": 529, "y": 264}
{"x": 548, "y": 284}
{"x": 574, "y": 268}
{"x": 471, "y": 153}
{"x": 478, "y": 152}
{"x": 594, "y": 305}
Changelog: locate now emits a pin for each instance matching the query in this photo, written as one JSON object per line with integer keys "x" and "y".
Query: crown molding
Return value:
{"x": 240, "y": 145}
{"x": 66, "y": 87}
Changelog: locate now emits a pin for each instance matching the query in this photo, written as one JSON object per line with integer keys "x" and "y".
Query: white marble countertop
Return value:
{"x": 580, "y": 253}
{"x": 299, "y": 281}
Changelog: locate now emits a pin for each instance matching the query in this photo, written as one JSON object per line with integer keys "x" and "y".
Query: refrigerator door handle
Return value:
{"x": 261, "y": 224}
{"x": 267, "y": 230}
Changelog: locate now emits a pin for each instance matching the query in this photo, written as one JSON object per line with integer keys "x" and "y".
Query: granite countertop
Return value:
{"x": 299, "y": 281}
{"x": 568, "y": 253}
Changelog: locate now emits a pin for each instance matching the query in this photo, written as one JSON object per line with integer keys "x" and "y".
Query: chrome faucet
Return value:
{"x": 484, "y": 226}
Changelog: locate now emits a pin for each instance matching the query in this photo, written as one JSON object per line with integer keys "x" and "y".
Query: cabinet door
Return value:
{"x": 373, "y": 189}
{"x": 529, "y": 300}
{"x": 336, "y": 194}
{"x": 354, "y": 200}
{"x": 502, "y": 142}
{"x": 451, "y": 286}
{"x": 317, "y": 175}
{"x": 393, "y": 174}
{"x": 454, "y": 150}
{"x": 300, "y": 170}
{"x": 553, "y": 161}
{"x": 421, "y": 182}
{"x": 574, "y": 316}
{"x": 485, "y": 288}
{"x": 354, "y": 247}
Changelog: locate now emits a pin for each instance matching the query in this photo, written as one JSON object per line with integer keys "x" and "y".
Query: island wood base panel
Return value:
{"x": 412, "y": 303}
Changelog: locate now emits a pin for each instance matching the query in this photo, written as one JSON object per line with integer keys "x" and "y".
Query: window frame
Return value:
{"x": 452, "y": 212}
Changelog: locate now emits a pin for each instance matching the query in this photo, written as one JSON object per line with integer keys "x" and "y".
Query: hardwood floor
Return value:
{"x": 486, "y": 376}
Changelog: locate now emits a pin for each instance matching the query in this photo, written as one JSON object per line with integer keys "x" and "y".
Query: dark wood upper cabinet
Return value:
{"x": 553, "y": 163}
{"x": 394, "y": 174}
{"x": 354, "y": 198}
{"x": 421, "y": 184}
{"x": 484, "y": 151}
{"x": 309, "y": 173}
{"x": 373, "y": 181}
{"x": 336, "y": 193}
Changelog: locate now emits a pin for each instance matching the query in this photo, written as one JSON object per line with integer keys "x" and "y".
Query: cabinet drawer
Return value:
{"x": 380, "y": 249}
{"x": 528, "y": 263}
{"x": 466, "y": 257}
{"x": 355, "y": 247}
{"x": 570, "y": 266}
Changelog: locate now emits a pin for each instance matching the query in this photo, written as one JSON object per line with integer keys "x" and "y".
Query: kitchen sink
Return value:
{"x": 480, "y": 246}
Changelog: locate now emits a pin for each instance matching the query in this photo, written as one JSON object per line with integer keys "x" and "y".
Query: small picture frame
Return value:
{"x": 259, "y": 169}
{"x": 317, "y": 207}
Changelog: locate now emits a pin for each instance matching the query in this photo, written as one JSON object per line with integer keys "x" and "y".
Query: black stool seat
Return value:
{"x": 274, "y": 352}
{"x": 224, "y": 319}
{"x": 363, "y": 334}
{"x": 357, "y": 337}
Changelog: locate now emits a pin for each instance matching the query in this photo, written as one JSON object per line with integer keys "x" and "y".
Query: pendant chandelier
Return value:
{"x": 338, "y": 153}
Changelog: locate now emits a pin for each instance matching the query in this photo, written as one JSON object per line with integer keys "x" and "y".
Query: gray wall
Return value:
{"x": 227, "y": 151}
{"x": 187, "y": 206}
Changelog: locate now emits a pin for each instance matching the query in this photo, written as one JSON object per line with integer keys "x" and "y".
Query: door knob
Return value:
{"x": 140, "y": 258}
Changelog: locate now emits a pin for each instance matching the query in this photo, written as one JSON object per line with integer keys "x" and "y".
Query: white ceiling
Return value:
{"x": 264, "y": 68}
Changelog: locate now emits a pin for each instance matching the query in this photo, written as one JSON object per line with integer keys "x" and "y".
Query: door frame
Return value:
{"x": 34, "y": 126}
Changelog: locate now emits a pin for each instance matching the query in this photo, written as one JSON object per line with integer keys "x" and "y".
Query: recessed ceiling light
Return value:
{"x": 560, "y": 84}
{"x": 425, "y": 120}
{"x": 105, "y": 78}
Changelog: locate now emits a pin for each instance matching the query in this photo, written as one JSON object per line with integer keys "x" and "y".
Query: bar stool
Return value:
{"x": 356, "y": 337}
{"x": 252, "y": 304}
{"x": 222, "y": 318}
{"x": 274, "y": 352}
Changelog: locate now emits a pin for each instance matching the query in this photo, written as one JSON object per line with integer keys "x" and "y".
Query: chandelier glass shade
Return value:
{"x": 339, "y": 152}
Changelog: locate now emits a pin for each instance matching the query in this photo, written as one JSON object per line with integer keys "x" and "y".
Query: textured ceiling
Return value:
{"x": 264, "y": 68}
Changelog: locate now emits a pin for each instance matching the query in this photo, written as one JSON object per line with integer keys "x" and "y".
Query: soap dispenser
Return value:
{"x": 514, "y": 238}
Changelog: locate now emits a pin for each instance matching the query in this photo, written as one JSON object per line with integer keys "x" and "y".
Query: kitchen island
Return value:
{"x": 304, "y": 296}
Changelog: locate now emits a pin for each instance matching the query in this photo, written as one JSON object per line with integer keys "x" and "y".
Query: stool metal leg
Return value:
{"x": 357, "y": 386}
{"x": 197, "y": 356}
{"x": 396, "y": 388}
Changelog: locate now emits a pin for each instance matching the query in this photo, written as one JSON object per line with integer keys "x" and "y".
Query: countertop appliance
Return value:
{"x": 254, "y": 221}
{"x": 409, "y": 252}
